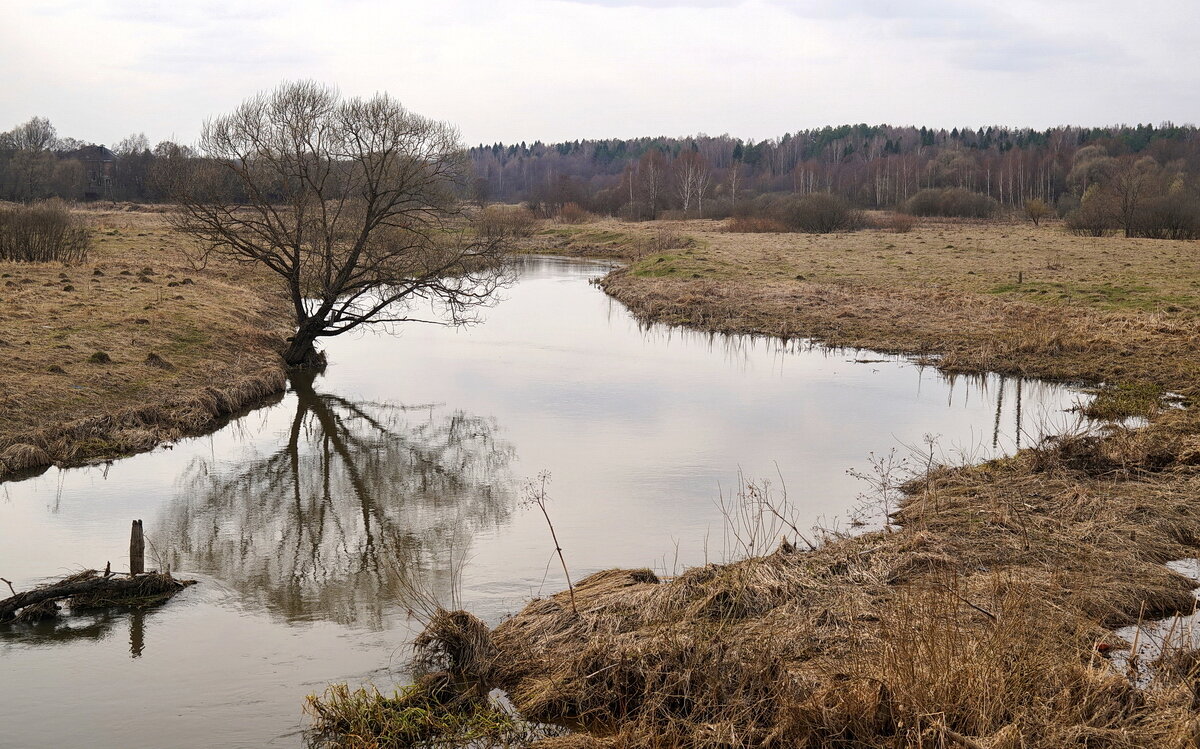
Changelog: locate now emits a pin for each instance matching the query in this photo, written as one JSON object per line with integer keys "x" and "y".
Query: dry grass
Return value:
{"x": 983, "y": 617}
{"x": 139, "y": 303}
{"x": 980, "y": 621}
{"x": 366, "y": 719}
{"x": 1010, "y": 298}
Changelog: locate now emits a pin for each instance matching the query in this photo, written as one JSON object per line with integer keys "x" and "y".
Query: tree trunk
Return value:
{"x": 302, "y": 350}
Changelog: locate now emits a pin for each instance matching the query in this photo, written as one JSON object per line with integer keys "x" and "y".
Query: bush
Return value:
{"x": 664, "y": 240}
{"x": 1095, "y": 216}
{"x": 753, "y": 225}
{"x": 43, "y": 233}
{"x": 818, "y": 213}
{"x": 1172, "y": 216}
{"x": 497, "y": 221}
{"x": 1036, "y": 210}
{"x": 1067, "y": 204}
{"x": 952, "y": 203}
{"x": 573, "y": 213}
{"x": 718, "y": 209}
{"x": 901, "y": 223}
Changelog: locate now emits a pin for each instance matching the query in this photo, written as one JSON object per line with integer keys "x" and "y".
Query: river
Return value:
{"x": 315, "y": 524}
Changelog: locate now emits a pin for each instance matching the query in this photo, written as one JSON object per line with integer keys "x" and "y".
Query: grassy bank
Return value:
{"x": 983, "y": 616}
{"x": 1009, "y": 298}
{"x": 133, "y": 347}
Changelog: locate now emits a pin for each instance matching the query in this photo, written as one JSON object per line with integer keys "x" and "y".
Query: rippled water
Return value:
{"x": 310, "y": 522}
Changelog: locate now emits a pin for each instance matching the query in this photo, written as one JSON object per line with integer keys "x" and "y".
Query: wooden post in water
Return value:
{"x": 137, "y": 549}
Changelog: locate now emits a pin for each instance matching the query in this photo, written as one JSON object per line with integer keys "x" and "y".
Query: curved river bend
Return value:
{"x": 309, "y": 520}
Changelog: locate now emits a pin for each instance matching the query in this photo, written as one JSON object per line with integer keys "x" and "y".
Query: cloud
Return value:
{"x": 658, "y": 3}
{"x": 566, "y": 69}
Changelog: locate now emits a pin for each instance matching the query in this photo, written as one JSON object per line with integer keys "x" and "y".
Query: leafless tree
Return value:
{"x": 691, "y": 179}
{"x": 652, "y": 181}
{"x": 1132, "y": 183}
{"x": 32, "y": 165}
{"x": 354, "y": 203}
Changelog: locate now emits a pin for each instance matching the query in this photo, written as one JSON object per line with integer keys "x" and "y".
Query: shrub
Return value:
{"x": 818, "y": 213}
{"x": 717, "y": 209}
{"x": 664, "y": 240}
{"x": 505, "y": 221}
{"x": 1067, "y": 204}
{"x": 1172, "y": 216}
{"x": 954, "y": 202}
{"x": 1095, "y": 216}
{"x": 43, "y": 233}
{"x": 1036, "y": 210}
{"x": 573, "y": 213}
{"x": 901, "y": 223}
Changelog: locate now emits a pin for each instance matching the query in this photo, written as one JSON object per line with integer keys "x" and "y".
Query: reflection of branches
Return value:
{"x": 362, "y": 503}
{"x": 93, "y": 625}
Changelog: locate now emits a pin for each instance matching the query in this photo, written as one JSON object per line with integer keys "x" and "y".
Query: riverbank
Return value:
{"x": 982, "y": 615}
{"x": 130, "y": 349}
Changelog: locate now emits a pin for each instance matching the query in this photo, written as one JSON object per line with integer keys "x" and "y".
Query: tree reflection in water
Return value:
{"x": 365, "y": 502}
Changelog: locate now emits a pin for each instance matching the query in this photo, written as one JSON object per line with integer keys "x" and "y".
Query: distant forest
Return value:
{"x": 1115, "y": 171}
{"x": 871, "y": 166}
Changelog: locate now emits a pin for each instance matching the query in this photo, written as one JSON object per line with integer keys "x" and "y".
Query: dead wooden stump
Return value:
{"x": 137, "y": 549}
{"x": 91, "y": 589}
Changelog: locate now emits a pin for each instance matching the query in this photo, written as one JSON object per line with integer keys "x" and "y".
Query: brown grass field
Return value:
{"x": 984, "y": 616}
{"x": 131, "y": 348}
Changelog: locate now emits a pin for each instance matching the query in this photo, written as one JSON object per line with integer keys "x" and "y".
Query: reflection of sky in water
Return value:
{"x": 304, "y": 519}
{"x": 643, "y": 428}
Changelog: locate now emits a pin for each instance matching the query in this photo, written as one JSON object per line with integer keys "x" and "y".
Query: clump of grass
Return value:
{"x": 22, "y": 457}
{"x": 456, "y": 642}
{"x": 148, "y": 589}
{"x": 100, "y": 357}
{"x": 662, "y": 240}
{"x": 1125, "y": 400}
{"x": 412, "y": 717}
{"x": 154, "y": 360}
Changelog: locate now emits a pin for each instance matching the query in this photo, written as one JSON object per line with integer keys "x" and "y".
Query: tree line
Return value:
{"x": 976, "y": 171}
{"x": 1144, "y": 179}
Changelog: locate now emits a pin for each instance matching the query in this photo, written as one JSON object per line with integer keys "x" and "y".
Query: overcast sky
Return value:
{"x": 565, "y": 69}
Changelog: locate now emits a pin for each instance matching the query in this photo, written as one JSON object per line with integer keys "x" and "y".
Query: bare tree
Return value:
{"x": 1132, "y": 183}
{"x": 652, "y": 181}
{"x": 354, "y": 203}
{"x": 32, "y": 163}
{"x": 691, "y": 179}
{"x": 735, "y": 180}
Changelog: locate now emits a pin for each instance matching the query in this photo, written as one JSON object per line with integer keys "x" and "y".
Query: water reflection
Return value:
{"x": 363, "y": 502}
{"x": 74, "y": 626}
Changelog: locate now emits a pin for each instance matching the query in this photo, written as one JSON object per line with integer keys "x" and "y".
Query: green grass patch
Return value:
{"x": 187, "y": 339}
{"x": 362, "y": 718}
{"x": 1123, "y": 401}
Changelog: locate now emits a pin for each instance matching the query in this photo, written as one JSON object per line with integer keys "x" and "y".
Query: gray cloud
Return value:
{"x": 658, "y": 3}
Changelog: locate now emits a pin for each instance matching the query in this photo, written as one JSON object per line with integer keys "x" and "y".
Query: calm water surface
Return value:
{"x": 308, "y": 521}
